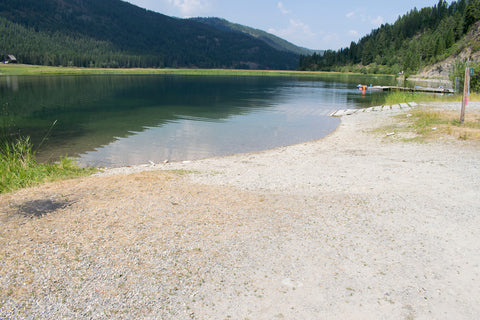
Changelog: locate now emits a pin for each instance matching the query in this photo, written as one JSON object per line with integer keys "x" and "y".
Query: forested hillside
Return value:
{"x": 270, "y": 39}
{"x": 114, "y": 33}
{"x": 417, "y": 39}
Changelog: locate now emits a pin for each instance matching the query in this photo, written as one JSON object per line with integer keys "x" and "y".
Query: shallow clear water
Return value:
{"x": 124, "y": 120}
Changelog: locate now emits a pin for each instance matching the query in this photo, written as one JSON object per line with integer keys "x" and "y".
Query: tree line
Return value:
{"x": 57, "y": 49}
{"x": 115, "y": 33}
{"x": 416, "y": 39}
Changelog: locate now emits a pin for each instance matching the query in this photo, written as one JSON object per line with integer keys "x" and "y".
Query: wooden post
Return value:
{"x": 465, "y": 95}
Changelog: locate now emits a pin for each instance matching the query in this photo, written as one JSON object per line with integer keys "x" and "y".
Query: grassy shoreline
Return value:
{"x": 405, "y": 97}
{"x": 19, "y": 168}
{"x": 22, "y": 69}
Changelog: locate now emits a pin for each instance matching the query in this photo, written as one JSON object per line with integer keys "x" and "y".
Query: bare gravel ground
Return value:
{"x": 358, "y": 225}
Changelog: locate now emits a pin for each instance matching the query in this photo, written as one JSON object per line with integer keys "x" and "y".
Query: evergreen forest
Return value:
{"x": 115, "y": 33}
{"x": 417, "y": 39}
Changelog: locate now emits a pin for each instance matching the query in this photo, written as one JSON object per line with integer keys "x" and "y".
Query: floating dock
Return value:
{"x": 416, "y": 89}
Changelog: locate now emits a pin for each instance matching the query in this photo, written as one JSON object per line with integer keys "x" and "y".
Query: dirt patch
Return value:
{"x": 138, "y": 244}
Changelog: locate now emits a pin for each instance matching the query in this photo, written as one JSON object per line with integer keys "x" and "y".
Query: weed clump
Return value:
{"x": 19, "y": 168}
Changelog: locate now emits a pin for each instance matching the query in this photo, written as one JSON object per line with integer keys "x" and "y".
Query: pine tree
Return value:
{"x": 472, "y": 13}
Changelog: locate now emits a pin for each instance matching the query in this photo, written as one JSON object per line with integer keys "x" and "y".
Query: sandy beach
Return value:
{"x": 358, "y": 225}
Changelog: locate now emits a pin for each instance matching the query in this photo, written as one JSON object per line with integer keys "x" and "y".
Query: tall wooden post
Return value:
{"x": 465, "y": 94}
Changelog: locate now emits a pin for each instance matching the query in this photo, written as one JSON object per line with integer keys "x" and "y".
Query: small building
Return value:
{"x": 10, "y": 59}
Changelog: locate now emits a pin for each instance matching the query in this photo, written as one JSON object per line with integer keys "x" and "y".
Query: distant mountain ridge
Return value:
{"x": 270, "y": 39}
{"x": 114, "y": 33}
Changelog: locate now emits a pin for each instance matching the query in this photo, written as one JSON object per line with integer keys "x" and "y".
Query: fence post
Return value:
{"x": 466, "y": 89}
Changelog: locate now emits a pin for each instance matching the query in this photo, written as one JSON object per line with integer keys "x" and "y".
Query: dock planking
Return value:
{"x": 416, "y": 89}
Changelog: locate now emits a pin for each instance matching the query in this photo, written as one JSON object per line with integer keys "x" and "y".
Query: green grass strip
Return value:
{"x": 21, "y": 69}
{"x": 19, "y": 169}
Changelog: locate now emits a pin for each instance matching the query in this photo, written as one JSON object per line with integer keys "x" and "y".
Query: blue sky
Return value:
{"x": 308, "y": 23}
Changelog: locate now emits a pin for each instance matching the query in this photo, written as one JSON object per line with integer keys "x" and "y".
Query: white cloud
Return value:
{"x": 282, "y": 8}
{"x": 190, "y": 7}
{"x": 378, "y": 21}
{"x": 353, "y": 33}
{"x": 364, "y": 17}
{"x": 296, "y": 30}
{"x": 300, "y": 26}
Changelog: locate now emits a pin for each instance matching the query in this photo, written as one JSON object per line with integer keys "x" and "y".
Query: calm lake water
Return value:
{"x": 125, "y": 120}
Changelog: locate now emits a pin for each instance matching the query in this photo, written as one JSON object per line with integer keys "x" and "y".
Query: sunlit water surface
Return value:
{"x": 126, "y": 120}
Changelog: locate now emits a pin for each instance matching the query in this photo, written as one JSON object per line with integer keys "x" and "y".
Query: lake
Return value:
{"x": 119, "y": 120}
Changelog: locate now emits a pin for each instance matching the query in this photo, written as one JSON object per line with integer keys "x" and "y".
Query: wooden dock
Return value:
{"x": 416, "y": 89}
